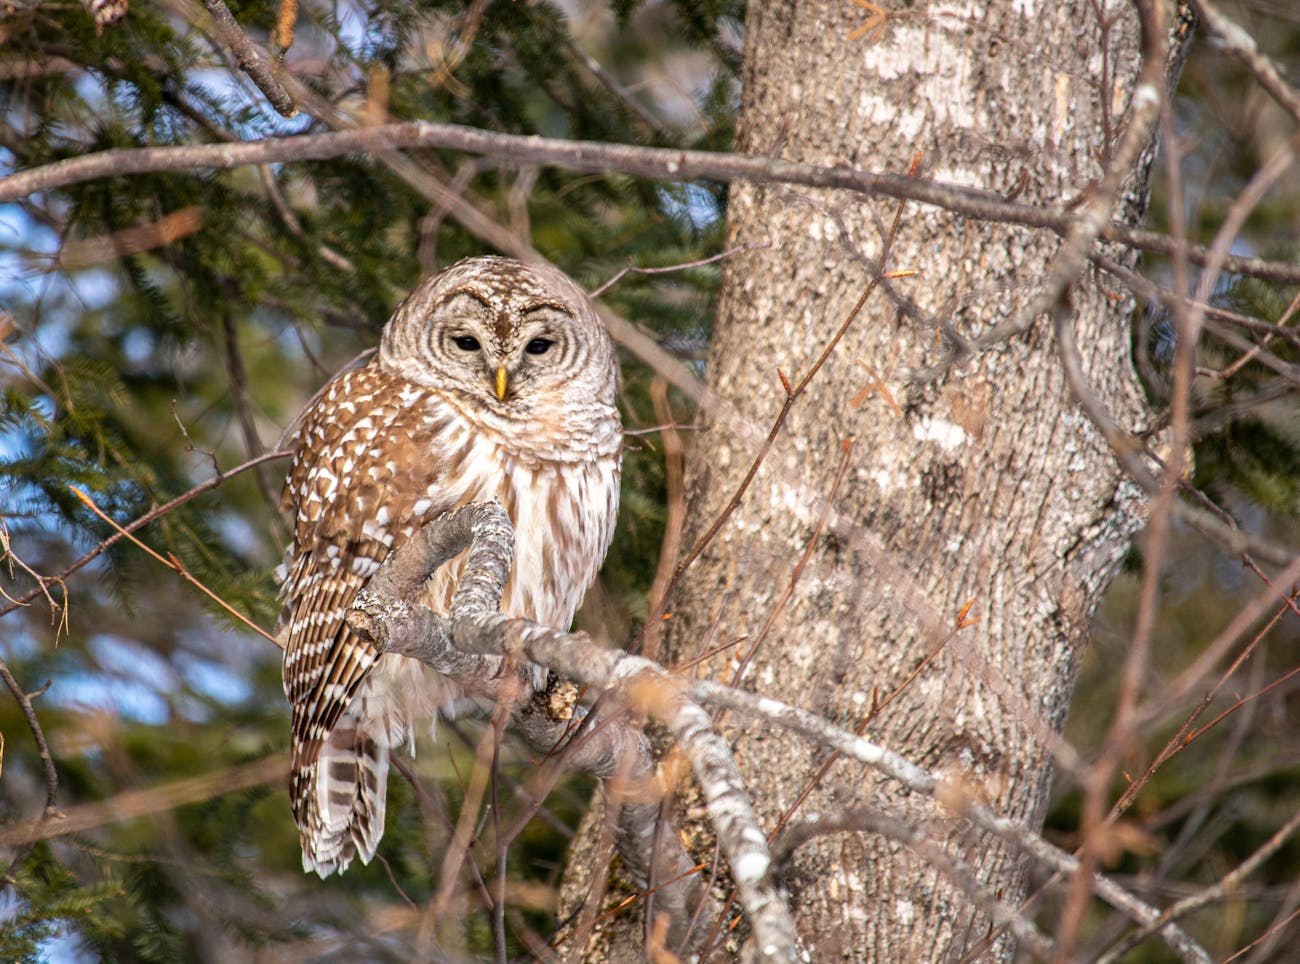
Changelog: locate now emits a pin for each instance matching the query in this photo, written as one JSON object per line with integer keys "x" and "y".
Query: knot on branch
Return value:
{"x": 371, "y": 617}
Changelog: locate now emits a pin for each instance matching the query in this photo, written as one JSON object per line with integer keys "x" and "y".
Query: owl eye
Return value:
{"x": 466, "y": 342}
{"x": 538, "y": 346}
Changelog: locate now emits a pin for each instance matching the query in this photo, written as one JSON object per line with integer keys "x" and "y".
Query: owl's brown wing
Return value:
{"x": 366, "y": 474}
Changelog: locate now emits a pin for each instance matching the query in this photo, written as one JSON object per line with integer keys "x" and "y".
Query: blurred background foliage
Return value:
{"x": 135, "y": 369}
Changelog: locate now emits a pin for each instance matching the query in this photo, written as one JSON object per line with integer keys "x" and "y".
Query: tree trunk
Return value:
{"x": 985, "y": 484}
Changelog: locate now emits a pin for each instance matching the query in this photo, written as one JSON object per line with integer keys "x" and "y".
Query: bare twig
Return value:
{"x": 1242, "y": 45}
{"x": 672, "y": 268}
{"x": 873, "y": 820}
{"x": 922, "y": 781}
{"x": 174, "y": 564}
{"x": 243, "y": 405}
{"x": 1227, "y": 885}
{"x": 24, "y": 701}
{"x": 673, "y": 522}
{"x": 792, "y": 395}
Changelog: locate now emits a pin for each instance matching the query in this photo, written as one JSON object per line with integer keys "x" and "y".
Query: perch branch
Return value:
{"x": 611, "y": 750}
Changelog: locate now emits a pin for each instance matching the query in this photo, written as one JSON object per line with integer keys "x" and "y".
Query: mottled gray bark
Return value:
{"x": 983, "y": 484}
{"x": 980, "y": 482}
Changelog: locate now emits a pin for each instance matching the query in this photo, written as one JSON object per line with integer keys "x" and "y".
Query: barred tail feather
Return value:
{"x": 340, "y": 797}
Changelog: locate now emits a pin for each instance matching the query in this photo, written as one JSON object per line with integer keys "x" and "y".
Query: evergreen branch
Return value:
{"x": 123, "y": 532}
{"x": 175, "y": 565}
{"x": 660, "y": 164}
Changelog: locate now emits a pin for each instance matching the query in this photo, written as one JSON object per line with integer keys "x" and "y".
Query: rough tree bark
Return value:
{"x": 983, "y": 482}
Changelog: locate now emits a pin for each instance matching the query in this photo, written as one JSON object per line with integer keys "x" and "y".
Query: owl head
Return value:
{"x": 509, "y": 336}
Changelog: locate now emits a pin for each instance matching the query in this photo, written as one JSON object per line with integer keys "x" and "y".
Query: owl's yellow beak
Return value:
{"x": 501, "y": 383}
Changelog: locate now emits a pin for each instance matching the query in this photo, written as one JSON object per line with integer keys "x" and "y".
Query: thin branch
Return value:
{"x": 921, "y": 781}
{"x": 123, "y": 532}
{"x": 670, "y": 269}
{"x": 1187, "y": 731}
{"x": 252, "y": 59}
{"x": 1129, "y": 450}
{"x": 143, "y": 803}
{"x": 1093, "y": 217}
{"x": 175, "y": 565}
{"x": 792, "y": 395}
{"x": 661, "y": 164}
{"x": 24, "y": 701}
{"x": 873, "y": 820}
{"x": 1228, "y": 885}
{"x": 1242, "y": 45}
{"x": 242, "y": 402}
{"x": 674, "y": 520}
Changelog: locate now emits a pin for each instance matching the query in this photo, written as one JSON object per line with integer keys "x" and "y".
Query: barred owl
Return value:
{"x": 493, "y": 380}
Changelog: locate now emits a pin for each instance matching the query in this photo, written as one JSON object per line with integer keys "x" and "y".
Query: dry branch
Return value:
{"x": 871, "y": 820}
{"x": 663, "y": 164}
{"x": 922, "y": 781}
{"x": 252, "y": 59}
{"x": 1242, "y": 45}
